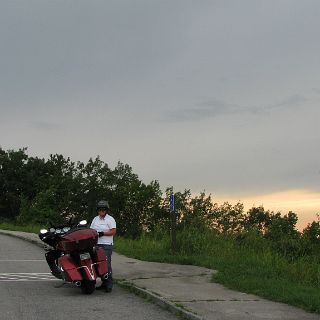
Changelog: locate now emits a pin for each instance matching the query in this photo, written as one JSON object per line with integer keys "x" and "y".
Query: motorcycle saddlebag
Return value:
{"x": 70, "y": 270}
{"x": 100, "y": 258}
{"x": 79, "y": 240}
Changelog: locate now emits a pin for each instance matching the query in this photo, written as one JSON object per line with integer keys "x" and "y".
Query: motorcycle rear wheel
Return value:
{"x": 88, "y": 286}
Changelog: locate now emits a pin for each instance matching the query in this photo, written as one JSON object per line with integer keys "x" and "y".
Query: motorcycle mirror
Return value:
{"x": 43, "y": 231}
{"x": 83, "y": 222}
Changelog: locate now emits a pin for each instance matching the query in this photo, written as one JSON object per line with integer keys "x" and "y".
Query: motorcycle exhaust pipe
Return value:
{"x": 105, "y": 276}
{"x": 77, "y": 283}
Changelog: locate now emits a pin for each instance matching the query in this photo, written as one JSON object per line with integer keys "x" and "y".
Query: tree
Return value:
{"x": 12, "y": 181}
{"x": 284, "y": 236}
{"x": 96, "y": 184}
{"x": 198, "y": 210}
{"x": 311, "y": 237}
{"x": 227, "y": 219}
{"x": 312, "y": 232}
{"x": 42, "y": 209}
{"x": 282, "y": 226}
{"x": 257, "y": 218}
{"x": 135, "y": 203}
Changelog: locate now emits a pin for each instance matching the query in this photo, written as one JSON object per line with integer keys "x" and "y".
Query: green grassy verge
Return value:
{"x": 258, "y": 271}
{"x": 24, "y": 228}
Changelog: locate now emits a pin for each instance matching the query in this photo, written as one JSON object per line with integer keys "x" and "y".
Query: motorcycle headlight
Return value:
{"x": 43, "y": 231}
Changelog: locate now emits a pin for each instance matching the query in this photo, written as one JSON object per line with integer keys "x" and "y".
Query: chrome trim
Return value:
{"x": 90, "y": 272}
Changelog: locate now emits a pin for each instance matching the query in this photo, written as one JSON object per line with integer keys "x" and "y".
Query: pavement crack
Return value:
{"x": 166, "y": 277}
{"x": 215, "y": 300}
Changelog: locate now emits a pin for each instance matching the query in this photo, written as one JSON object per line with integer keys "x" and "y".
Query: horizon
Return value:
{"x": 303, "y": 202}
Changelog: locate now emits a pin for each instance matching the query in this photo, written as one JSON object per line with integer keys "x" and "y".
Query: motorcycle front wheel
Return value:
{"x": 88, "y": 286}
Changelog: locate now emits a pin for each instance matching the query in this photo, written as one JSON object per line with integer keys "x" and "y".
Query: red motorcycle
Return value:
{"x": 74, "y": 256}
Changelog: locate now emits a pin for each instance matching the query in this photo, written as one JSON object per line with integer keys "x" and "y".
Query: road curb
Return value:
{"x": 158, "y": 300}
{"x": 24, "y": 236}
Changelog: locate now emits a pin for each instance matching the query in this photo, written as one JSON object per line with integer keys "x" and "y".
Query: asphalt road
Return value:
{"x": 29, "y": 292}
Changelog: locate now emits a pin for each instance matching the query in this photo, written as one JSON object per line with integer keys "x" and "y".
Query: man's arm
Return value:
{"x": 110, "y": 232}
{"x": 92, "y": 224}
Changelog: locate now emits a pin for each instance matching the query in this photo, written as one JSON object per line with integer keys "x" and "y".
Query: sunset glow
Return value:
{"x": 305, "y": 203}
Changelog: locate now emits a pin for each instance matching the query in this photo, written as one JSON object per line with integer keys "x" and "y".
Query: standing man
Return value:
{"x": 105, "y": 225}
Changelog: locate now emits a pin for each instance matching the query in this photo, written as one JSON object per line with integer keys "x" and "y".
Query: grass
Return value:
{"x": 252, "y": 270}
{"x": 24, "y": 228}
{"x": 252, "y": 267}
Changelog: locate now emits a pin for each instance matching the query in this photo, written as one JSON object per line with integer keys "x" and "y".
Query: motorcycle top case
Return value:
{"x": 79, "y": 240}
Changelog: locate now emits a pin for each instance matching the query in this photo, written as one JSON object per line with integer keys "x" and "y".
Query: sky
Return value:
{"x": 220, "y": 96}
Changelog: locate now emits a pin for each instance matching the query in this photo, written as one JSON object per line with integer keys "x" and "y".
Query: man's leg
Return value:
{"x": 107, "y": 284}
{"x": 109, "y": 281}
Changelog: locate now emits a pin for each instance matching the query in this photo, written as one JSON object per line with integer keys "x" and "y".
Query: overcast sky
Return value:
{"x": 217, "y": 95}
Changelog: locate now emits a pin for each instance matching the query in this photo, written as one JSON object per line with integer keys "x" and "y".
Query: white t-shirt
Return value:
{"x": 103, "y": 224}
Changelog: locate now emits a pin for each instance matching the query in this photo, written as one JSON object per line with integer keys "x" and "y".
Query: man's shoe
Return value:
{"x": 108, "y": 289}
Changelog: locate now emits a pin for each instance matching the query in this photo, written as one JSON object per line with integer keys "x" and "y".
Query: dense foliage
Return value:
{"x": 34, "y": 190}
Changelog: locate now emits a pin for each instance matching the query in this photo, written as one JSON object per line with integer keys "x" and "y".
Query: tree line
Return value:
{"x": 37, "y": 190}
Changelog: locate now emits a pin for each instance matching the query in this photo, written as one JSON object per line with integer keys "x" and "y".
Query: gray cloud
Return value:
{"x": 290, "y": 102}
{"x": 44, "y": 125}
{"x": 201, "y": 110}
{"x": 215, "y": 108}
{"x": 316, "y": 90}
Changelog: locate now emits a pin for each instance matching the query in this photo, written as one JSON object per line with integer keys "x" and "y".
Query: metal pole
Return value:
{"x": 173, "y": 224}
